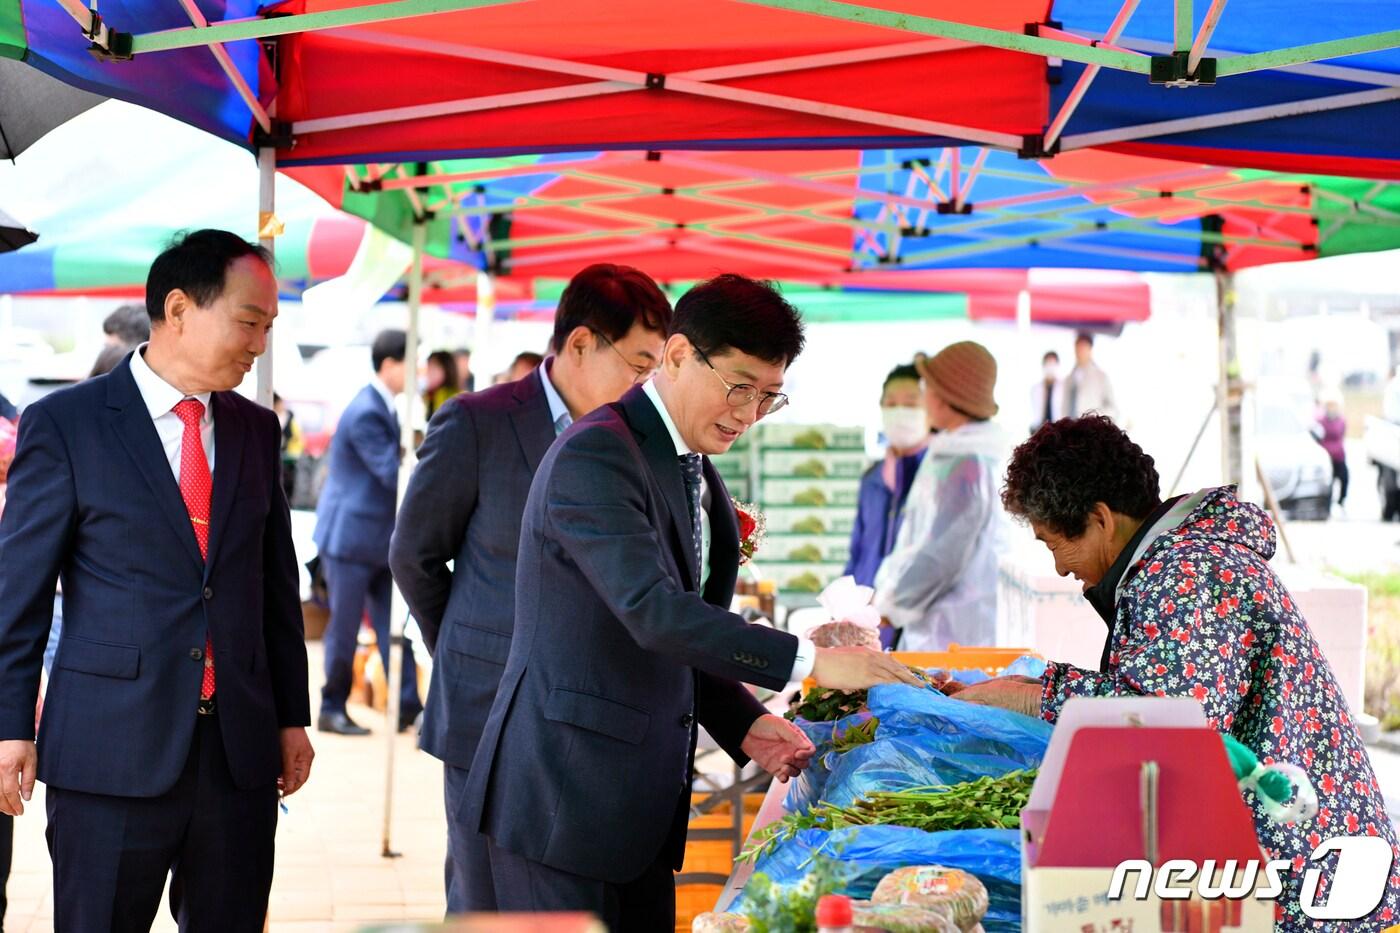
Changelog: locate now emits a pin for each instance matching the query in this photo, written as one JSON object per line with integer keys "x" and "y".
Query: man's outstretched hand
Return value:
{"x": 855, "y": 668}
{"x": 18, "y": 764}
{"x": 779, "y": 747}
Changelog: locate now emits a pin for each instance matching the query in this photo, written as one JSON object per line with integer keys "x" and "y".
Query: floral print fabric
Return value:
{"x": 1202, "y": 615}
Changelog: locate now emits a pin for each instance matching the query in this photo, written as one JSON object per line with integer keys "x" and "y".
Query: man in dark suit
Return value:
{"x": 178, "y": 699}
{"x": 464, "y": 504}
{"x": 623, "y": 641}
{"x": 354, "y": 521}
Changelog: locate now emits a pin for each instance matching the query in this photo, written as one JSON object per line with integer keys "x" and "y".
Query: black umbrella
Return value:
{"x": 14, "y": 234}
{"x": 32, "y": 103}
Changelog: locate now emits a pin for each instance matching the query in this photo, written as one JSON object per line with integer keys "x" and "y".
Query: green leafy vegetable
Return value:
{"x": 986, "y": 803}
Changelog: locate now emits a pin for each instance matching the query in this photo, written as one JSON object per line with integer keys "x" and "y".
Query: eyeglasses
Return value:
{"x": 744, "y": 394}
{"x": 640, "y": 373}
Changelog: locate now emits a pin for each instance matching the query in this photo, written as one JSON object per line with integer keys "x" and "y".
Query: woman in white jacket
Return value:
{"x": 939, "y": 583}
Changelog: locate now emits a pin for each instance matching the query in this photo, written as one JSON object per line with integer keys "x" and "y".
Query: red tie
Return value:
{"x": 195, "y": 489}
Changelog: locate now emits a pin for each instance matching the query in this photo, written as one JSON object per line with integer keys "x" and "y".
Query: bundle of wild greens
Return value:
{"x": 823, "y": 705}
{"x": 860, "y": 734}
{"x": 986, "y": 803}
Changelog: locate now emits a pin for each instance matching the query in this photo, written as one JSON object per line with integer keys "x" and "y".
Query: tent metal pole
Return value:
{"x": 1312, "y": 52}
{"x": 1229, "y": 391}
{"x": 1198, "y": 48}
{"x": 485, "y": 314}
{"x": 267, "y": 231}
{"x": 1311, "y": 69}
{"x": 1229, "y": 118}
{"x": 1183, "y": 24}
{"x": 1087, "y": 76}
{"x": 234, "y": 75}
{"x": 399, "y": 615}
{"x": 256, "y": 27}
{"x": 968, "y": 182}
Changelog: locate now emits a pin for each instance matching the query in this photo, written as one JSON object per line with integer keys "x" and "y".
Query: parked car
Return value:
{"x": 1295, "y": 464}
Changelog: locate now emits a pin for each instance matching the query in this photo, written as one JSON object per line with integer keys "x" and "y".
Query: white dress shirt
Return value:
{"x": 161, "y": 398}
{"x": 390, "y": 400}
{"x": 806, "y": 650}
{"x": 558, "y": 410}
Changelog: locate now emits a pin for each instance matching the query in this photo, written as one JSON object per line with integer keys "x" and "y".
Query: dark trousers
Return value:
{"x": 468, "y": 869}
{"x": 7, "y": 846}
{"x": 111, "y": 855}
{"x": 355, "y": 588}
{"x": 644, "y": 905}
{"x": 1340, "y": 474}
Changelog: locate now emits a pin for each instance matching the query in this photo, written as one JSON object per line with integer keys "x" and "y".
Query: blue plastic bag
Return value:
{"x": 871, "y": 852}
{"x": 925, "y": 738}
{"x": 807, "y": 788}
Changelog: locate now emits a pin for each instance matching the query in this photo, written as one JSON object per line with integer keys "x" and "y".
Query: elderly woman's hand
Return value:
{"x": 1018, "y": 694}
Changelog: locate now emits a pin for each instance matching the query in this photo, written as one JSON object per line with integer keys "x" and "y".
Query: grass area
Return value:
{"x": 1383, "y": 645}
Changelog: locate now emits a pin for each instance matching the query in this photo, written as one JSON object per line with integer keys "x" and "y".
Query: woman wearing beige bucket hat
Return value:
{"x": 939, "y": 583}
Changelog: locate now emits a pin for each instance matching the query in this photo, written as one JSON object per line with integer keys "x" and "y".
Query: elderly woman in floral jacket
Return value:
{"x": 1193, "y": 609}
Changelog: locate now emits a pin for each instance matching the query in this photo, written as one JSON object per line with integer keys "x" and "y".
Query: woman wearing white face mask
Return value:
{"x": 1048, "y": 393}
{"x": 938, "y": 584}
{"x": 885, "y": 486}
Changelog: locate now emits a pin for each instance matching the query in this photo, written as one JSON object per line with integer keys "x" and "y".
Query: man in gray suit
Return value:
{"x": 623, "y": 640}
{"x": 464, "y": 504}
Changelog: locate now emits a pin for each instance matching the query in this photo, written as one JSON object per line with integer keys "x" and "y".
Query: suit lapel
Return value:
{"x": 724, "y": 541}
{"x": 660, "y": 453}
{"x": 534, "y": 428}
{"x": 229, "y": 437}
{"x": 137, "y": 433}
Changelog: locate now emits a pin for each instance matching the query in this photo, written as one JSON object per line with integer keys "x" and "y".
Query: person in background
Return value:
{"x": 455, "y": 544}
{"x": 1087, "y": 389}
{"x": 292, "y": 444}
{"x": 123, "y": 330}
{"x": 885, "y": 486}
{"x": 442, "y": 381}
{"x": 354, "y": 521}
{"x": 8, "y": 411}
{"x": 1048, "y": 393}
{"x": 465, "y": 377}
{"x": 939, "y": 582}
{"x": 523, "y": 364}
{"x": 1194, "y": 609}
{"x": 1331, "y": 432}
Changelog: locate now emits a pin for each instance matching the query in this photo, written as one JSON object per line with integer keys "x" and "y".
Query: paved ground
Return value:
{"x": 330, "y": 875}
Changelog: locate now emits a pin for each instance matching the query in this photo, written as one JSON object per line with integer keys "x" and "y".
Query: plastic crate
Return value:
{"x": 991, "y": 661}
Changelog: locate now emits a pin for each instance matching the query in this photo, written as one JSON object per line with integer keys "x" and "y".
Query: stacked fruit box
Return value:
{"x": 807, "y": 482}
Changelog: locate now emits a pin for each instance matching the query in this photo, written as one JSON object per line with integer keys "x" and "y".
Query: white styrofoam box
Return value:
{"x": 815, "y": 464}
{"x": 812, "y": 548}
{"x": 810, "y": 520}
{"x": 1048, "y": 613}
{"x": 812, "y": 436}
{"x": 797, "y": 577}
{"x": 817, "y": 492}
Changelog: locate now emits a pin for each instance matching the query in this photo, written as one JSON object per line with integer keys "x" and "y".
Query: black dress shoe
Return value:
{"x": 409, "y": 719}
{"x": 340, "y": 724}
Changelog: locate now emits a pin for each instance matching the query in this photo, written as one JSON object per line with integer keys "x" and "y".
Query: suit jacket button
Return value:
{"x": 687, "y": 720}
{"x": 208, "y": 592}
{"x": 196, "y": 654}
{"x": 739, "y": 656}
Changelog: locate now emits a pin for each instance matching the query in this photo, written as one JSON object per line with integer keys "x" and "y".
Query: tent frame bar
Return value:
{"x": 1229, "y": 118}
{"x": 1086, "y": 78}
{"x": 235, "y": 77}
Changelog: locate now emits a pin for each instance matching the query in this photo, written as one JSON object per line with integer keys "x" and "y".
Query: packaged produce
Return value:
{"x": 720, "y": 923}
{"x": 902, "y": 918}
{"x": 823, "y": 705}
{"x": 936, "y": 886}
{"x": 841, "y": 634}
